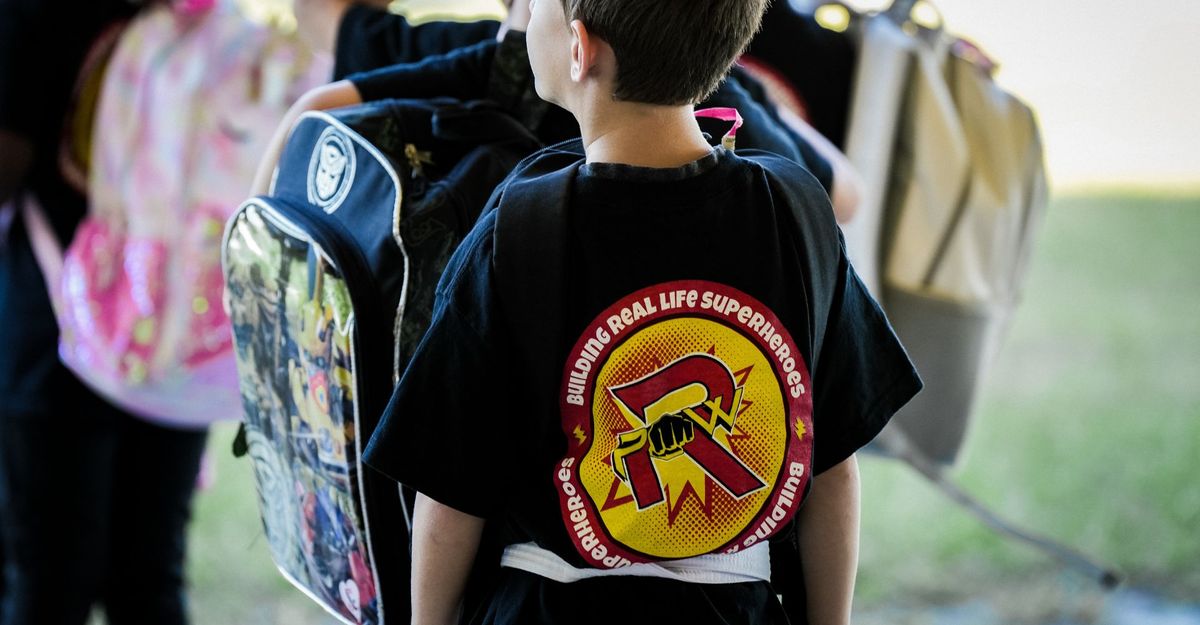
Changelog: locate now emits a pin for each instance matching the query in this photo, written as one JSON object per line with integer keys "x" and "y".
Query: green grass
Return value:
{"x": 1088, "y": 431}
{"x": 1089, "y": 427}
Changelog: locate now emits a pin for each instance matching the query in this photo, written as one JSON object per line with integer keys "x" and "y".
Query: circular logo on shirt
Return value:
{"x": 330, "y": 170}
{"x": 688, "y": 423}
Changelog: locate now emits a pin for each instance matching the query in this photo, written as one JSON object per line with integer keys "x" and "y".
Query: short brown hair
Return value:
{"x": 670, "y": 52}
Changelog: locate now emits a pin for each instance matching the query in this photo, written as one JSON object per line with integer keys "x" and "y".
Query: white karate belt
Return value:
{"x": 748, "y": 565}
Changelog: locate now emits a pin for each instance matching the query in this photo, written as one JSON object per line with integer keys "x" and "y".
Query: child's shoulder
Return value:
{"x": 787, "y": 174}
{"x": 794, "y": 185}
{"x": 548, "y": 160}
{"x": 520, "y": 206}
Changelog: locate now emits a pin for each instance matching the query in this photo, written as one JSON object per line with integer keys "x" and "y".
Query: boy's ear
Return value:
{"x": 584, "y": 49}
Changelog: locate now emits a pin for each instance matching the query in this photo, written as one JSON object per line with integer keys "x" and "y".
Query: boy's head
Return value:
{"x": 667, "y": 52}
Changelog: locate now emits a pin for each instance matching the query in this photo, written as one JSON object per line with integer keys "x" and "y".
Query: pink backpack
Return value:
{"x": 189, "y": 100}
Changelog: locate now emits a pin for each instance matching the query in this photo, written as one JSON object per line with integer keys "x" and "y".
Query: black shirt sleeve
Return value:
{"x": 444, "y": 432}
{"x": 498, "y": 71}
{"x": 862, "y": 374}
{"x": 370, "y": 38}
{"x": 461, "y": 74}
{"x": 821, "y": 168}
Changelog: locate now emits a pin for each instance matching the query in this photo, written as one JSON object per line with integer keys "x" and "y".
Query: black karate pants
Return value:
{"x": 93, "y": 509}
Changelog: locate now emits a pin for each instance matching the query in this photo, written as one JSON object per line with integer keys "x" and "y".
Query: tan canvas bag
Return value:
{"x": 951, "y": 232}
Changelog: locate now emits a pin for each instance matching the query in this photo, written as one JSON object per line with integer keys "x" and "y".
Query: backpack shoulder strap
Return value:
{"x": 530, "y": 253}
{"x": 532, "y": 211}
{"x": 529, "y": 245}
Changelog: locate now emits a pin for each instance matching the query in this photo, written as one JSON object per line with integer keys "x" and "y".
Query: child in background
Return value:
{"x": 94, "y": 501}
{"x": 722, "y": 362}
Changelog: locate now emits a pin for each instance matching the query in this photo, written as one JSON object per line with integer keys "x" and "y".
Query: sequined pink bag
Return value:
{"x": 189, "y": 100}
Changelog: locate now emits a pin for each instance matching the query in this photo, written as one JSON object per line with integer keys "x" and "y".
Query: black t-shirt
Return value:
{"x": 462, "y": 73}
{"x": 488, "y": 69}
{"x": 41, "y": 51}
{"x": 370, "y": 38}
{"x": 713, "y": 309}
{"x": 471, "y": 73}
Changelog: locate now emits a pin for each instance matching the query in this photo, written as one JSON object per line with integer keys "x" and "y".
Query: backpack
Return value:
{"x": 955, "y": 193}
{"x": 187, "y": 103}
{"x": 331, "y": 281}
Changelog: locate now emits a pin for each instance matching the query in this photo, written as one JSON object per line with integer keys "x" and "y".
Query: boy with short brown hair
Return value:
{"x": 719, "y": 354}
{"x": 678, "y": 51}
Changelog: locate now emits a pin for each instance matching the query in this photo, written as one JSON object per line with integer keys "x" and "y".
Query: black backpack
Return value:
{"x": 330, "y": 286}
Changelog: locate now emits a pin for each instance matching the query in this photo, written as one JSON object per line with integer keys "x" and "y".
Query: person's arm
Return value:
{"x": 331, "y": 96}
{"x": 828, "y": 532}
{"x": 461, "y": 73}
{"x": 443, "y": 550}
{"x": 369, "y": 38}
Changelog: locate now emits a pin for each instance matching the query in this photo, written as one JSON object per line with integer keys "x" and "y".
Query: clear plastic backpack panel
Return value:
{"x": 293, "y": 336}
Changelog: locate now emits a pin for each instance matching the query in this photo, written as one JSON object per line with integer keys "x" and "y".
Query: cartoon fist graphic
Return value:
{"x": 669, "y": 434}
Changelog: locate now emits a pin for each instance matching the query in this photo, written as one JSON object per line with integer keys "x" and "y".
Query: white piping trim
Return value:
{"x": 317, "y": 600}
{"x": 272, "y": 214}
{"x": 385, "y": 162}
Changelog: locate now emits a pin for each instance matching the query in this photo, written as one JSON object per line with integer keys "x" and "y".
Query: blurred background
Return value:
{"x": 1089, "y": 426}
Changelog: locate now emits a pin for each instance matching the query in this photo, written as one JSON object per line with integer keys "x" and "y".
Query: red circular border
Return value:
{"x": 566, "y": 476}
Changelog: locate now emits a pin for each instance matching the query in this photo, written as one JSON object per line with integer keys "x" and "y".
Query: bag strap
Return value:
{"x": 529, "y": 246}
{"x": 530, "y": 255}
{"x": 480, "y": 122}
{"x": 47, "y": 249}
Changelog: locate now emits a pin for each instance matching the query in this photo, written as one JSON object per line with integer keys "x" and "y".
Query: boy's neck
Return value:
{"x": 641, "y": 134}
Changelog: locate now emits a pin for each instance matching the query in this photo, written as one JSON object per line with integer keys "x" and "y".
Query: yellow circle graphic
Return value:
{"x": 700, "y": 510}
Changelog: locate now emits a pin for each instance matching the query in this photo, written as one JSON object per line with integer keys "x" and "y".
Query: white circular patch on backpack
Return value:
{"x": 330, "y": 170}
